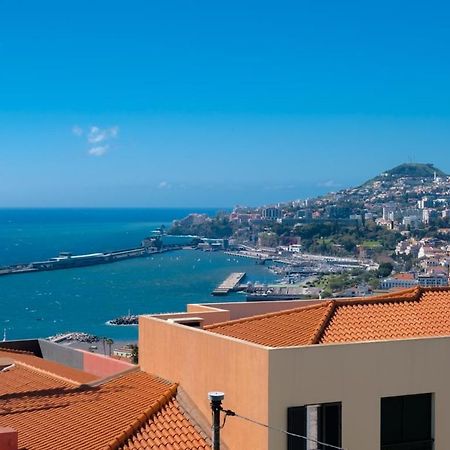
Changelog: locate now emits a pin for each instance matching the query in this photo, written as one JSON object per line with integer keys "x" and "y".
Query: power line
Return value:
{"x": 228, "y": 412}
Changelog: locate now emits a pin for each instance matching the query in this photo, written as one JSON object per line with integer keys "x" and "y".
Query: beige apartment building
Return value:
{"x": 358, "y": 374}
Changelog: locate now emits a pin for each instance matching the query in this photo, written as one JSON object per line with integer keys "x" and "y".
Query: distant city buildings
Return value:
{"x": 271, "y": 213}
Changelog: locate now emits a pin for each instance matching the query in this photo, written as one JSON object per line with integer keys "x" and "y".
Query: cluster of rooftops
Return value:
{"x": 411, "y": 313}
{"x": 52, "y": 406}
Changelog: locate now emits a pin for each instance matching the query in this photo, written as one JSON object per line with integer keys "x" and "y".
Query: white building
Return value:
{"x": 398, "y": 283}
{"x": 430, "y": 280}
{"x": 271, "y": 213}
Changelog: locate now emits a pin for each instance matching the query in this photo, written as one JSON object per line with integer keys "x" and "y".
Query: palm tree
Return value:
{"x": 134, "y": 353}
{"x": 103, "y": 339}
{"x": 110, "y": 342}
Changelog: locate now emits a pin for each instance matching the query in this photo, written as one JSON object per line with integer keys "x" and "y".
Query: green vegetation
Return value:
{"x": 385, "y": 269}
{"x": 416, "y": 170}
{"x": 217, "y": 228}
{"x": 339, "y": 282}
{"x": 371, "y": 245}
{"x": 134, "y": 353}
{"x": 341, "y": 239}
{"x": 412, "y": 170}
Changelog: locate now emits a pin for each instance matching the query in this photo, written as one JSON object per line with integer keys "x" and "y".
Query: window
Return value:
{"x": 317, "y": 422}
{"x": 406, "y": 422}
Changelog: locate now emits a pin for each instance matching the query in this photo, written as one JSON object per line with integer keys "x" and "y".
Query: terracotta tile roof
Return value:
{"x": 426, "y": 312}
{"x": 51, "y": 367}
{"x": 53, "y": 413}
{"x": 170, "y": 429}
{"x": 410, "y": 313}
{"x": 404, "y": 276}
{"x": 299, "y": 326}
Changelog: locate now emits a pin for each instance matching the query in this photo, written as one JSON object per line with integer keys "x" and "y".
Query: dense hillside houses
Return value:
{"x": 401, "y": 217}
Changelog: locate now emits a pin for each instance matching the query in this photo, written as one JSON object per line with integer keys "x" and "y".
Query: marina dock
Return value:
{"x": 230, "y": 284}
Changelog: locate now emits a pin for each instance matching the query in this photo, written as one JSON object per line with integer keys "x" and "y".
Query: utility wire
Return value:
{"x": 228, "y": 412}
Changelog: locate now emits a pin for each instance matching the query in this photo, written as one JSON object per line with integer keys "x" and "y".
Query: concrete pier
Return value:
{"x": 230, "y": 284}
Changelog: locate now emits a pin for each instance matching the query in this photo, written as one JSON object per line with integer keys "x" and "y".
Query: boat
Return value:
{"x": 264, "y": 296}
{"x": 66, "y": 260}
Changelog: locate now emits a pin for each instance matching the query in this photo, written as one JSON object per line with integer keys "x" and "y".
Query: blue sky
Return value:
{"x": 200, "y": 103}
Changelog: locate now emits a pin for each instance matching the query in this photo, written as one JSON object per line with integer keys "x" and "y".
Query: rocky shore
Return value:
{"x": 74, "y": 336}
{"x": 129, "y": 319}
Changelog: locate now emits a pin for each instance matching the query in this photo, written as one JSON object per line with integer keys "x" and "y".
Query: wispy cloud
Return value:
{"x": 99, "y": 150}
{"x": 164, "y": 185}
{"x": 97, "y": 138}
{"x": 329, "y": 184}
{"x": 97, "y": 134}
{"x": 77, "y": 131}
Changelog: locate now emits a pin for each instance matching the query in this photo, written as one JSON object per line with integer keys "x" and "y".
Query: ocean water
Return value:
{"x": 83, "y": 299}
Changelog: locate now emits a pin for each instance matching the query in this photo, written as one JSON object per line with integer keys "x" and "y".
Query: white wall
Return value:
{"x": 359, "y": 375}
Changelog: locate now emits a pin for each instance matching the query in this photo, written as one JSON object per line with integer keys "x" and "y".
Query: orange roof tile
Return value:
{"x": 404, "y": 276}
{"x": 299, "y": 326}
{"x": 51, "y": 412}
{"x": 423, "y": 314}
{"x": 167, "y": 429}
{"x": 417, "y": 312}
{"x": 51, "y": 367}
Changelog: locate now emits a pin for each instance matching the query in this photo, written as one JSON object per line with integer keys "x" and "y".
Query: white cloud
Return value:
{"x": 164, "y": 185}
{"x": 97, "y": 134}
{"x": 77, "y": 131}
{"x": 97, "y": 138}
{"x": 99, "y": 150}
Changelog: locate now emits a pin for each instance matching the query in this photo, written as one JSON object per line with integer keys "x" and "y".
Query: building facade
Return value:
{"x": 353, "y": 373}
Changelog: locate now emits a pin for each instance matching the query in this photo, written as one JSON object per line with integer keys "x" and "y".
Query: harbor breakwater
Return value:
{"x": 66, "y": 260}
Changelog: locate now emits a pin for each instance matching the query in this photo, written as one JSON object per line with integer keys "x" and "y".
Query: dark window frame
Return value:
{"x": 406, "y": 422}
{"x": 297, "y": 423}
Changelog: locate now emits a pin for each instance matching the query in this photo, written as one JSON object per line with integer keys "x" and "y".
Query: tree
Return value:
{"x": 384, "y": 270}
{"x": 104, "y": 339}
{"x": 134, "y": 353}
{"x": 110, "y": 342}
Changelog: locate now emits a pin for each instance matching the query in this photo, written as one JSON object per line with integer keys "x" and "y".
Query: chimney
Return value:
{"x": 9, "y": 438}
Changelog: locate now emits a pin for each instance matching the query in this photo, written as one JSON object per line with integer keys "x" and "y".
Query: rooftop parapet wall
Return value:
{"x": 239, "y": 310}
{"x": 212, "y": 313}
{"x": 92, "y": 363}
{"x": 209, "y": 316}
{"x": 201, "y": 362}
{"x": 103, "y": 366}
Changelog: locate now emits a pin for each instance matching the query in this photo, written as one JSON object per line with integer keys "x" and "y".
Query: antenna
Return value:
{"x": 216, "y": 406}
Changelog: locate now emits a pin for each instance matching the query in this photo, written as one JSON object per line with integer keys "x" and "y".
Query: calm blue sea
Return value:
{"x": 83, "y": 299}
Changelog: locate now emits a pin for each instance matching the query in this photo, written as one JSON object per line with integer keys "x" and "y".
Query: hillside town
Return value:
{"x": 399, "y": 221}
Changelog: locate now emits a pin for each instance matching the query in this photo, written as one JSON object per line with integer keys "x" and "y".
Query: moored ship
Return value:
{"x": 66, "y": 260}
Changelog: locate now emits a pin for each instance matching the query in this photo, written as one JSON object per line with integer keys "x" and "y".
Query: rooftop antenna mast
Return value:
{"x": 216, "y": 406}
